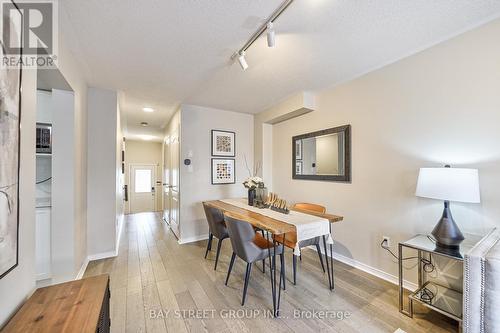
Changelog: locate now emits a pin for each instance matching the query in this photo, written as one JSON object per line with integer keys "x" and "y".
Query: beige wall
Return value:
{"x": 144, "y": 152}
{"x": 439, "y": 106}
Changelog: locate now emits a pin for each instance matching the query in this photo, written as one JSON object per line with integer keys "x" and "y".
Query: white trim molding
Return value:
{"x": 372, "y": 271}
{"x": 93, "y": 257}
{"x": 192, "y": 239}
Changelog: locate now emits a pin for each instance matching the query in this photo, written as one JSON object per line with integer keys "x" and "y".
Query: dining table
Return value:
{"x": 297, "y": 225}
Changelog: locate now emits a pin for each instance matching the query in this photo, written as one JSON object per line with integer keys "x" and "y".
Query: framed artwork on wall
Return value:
{"x": 223, "y": 143}
{"x": 10, "y": 136}
{"x": 223, "y": 171}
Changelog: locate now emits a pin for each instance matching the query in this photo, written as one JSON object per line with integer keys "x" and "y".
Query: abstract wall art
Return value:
{"x": 10, "y": 117}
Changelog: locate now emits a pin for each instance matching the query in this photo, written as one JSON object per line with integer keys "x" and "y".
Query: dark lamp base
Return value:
{"x": 446, "y": 232}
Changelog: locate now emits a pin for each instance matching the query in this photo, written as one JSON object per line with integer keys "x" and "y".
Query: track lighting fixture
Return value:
{"x": 242, "y": 60}
{"x": 271, "y": 34}
{"x": 271, "y": 41}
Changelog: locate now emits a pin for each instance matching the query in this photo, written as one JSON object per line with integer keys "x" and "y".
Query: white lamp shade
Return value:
{"x": 451, "y": 184}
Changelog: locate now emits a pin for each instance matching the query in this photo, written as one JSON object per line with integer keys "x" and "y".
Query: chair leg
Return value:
{"x": 219, "y": 244}
{"x": 230, "y": 267}
{"x": 283, "y": 273}
{"x": 294, "y": 269}
{"x": 247, "y": 277}
{"x": 264, "y": 266}
{"x": 320, "y": 257}
{"x": 209, "y": 244}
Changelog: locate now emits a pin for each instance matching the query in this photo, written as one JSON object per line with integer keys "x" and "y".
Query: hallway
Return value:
{"x": 153, "y": 274}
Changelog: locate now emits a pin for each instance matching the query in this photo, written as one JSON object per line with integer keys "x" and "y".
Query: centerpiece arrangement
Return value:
{"x": 252, "y": 184}
{"x": 277, "y": 204}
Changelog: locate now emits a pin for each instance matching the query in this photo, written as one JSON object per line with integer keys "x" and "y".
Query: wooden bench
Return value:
{"x": 76, "y": 306}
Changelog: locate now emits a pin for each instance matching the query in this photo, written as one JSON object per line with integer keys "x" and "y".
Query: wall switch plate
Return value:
{"x": 386, "y": 242}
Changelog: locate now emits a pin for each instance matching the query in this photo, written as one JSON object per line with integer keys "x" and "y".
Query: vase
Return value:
{"x": 251, "y": 196}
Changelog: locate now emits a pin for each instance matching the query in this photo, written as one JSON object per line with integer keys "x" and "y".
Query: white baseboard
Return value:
{"x": 102, "y": 255}
{"x": 372, "y": 270}
{"x": 93, "y": 257}
{"x": 192, "y": 239}
{"x": 82, "y": 269}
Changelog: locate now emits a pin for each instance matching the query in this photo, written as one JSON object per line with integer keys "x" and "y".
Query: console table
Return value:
{"x": 76, "y": 306}
{"x": 432, "y": 294}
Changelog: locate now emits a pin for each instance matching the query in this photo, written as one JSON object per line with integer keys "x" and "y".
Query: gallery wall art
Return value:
{"x": 10, "y": 117}
{"x": 223, "y": 143}
{"x": 223, "y": 171}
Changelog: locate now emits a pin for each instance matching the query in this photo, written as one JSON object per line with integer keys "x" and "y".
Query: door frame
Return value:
{"x": 153, "y": 183}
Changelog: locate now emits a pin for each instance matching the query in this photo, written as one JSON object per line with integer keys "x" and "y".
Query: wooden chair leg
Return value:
{"x": 264, "y": 266}
{"x": 247, "y": 277}
{"x": 209, "y": 244}
{"x": 320, "y": 257}
{"x": 230, "y": 267}
{"x": 294, "y": 269}
{"x": 219, "y": 244}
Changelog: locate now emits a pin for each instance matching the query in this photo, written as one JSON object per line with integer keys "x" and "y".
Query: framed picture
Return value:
{"x": 223, "y": 171}
{"x": 298, "y": 149}
{"x": 298, "y": 167}
{"x": 10, "y": 136}
{"x": 223, "y": 143}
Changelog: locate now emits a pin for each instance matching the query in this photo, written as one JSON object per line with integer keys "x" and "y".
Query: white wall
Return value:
{"x": 63, "y": 224}
{"x": 19, "y": 284}
{"x": 144, "y": 152}
{"x": 196, "y": 125}
{"x": 16, "y": 286}
{"x": 439, "y": 106}
{"x": 101, "y": 172}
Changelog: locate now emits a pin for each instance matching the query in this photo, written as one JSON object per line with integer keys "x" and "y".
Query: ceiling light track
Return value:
{"x": 268, "y": 25}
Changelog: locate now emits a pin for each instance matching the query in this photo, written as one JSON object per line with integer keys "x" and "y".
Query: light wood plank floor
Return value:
{"x": 153, "y": 272}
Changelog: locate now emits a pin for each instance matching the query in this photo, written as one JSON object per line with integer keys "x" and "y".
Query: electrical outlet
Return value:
{"x": 386, "y": 242}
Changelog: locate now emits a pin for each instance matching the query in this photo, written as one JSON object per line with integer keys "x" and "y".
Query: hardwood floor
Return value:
{"x": 153, "y": 274}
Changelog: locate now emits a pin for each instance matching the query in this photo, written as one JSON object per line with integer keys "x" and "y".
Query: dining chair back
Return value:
{"x": 217, "y": 228}
{"x": 311, "y": 207}
{"x": 250, "y": 247}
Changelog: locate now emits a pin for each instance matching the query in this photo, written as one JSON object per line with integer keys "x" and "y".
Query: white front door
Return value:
{"x": 142, "y": 194}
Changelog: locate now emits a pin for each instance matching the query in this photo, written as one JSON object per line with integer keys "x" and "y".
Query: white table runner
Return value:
{"x": 308, "y": 226}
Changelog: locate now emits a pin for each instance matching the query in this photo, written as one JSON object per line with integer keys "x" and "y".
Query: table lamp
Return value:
{"x": 448, "y": 184}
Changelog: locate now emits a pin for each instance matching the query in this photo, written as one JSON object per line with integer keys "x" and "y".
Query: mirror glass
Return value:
{"x": 322, "y": 155}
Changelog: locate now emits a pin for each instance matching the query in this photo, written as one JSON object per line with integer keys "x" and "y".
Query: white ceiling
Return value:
{"x": 162, "y": 53}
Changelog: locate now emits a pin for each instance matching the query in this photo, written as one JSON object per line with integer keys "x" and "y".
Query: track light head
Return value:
{"x": 271, "y": 40}
{"x": 242, "y": 60}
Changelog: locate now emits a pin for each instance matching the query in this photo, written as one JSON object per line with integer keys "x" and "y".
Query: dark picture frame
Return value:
{"x": 214, "y": 150}
{"x": 214, "y": 175}
{"x": 11, "y": 191}
{"x": 346, "y": 177}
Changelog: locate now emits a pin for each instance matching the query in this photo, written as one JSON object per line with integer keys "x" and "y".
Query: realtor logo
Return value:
{"x": 29, "y": 33}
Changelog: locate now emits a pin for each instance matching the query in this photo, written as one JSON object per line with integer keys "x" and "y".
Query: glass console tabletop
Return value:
{"x": 427, "y": 244}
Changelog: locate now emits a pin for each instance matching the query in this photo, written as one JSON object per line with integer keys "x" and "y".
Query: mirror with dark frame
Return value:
{"x": 323, "y": 155}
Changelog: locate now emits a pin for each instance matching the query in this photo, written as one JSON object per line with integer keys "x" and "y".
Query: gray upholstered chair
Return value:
{"x": 217, "y": 228}
{"x": 249, "y": 246}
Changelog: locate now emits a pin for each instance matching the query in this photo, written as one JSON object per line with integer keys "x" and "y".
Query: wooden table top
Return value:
{"x": 67, "y": 307}
{"x": 266, "y": 223}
